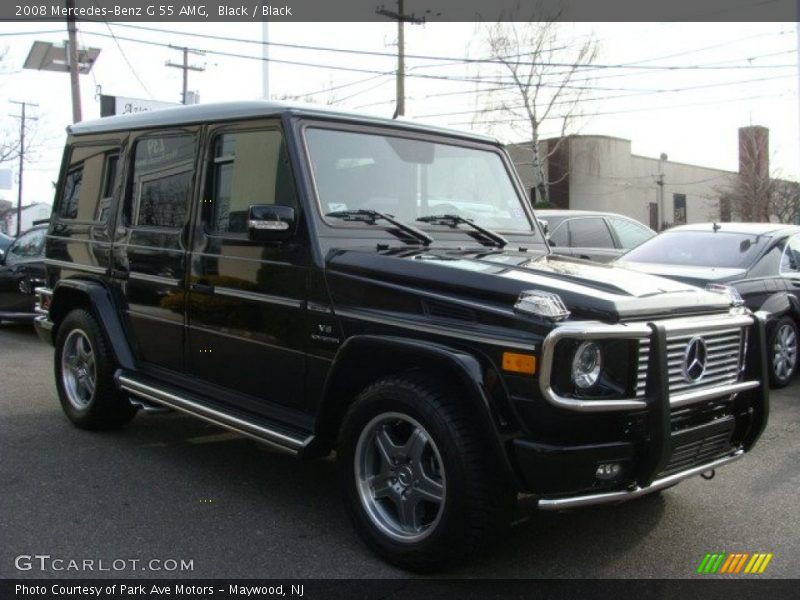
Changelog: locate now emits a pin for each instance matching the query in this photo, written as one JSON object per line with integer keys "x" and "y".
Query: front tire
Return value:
{"x": 84, "y": 370}
{"x": 415, "y": 471}
{"x": 783, "y": 352}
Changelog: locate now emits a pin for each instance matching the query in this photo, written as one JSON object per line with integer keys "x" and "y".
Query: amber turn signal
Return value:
{"x": 514, "y": 362}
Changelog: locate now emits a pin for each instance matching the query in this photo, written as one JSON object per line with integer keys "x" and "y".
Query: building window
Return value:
{"x": 679, "y": 209}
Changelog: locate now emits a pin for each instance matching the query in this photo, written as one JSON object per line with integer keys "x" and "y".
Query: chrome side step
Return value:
{"x": 148, "y": 392}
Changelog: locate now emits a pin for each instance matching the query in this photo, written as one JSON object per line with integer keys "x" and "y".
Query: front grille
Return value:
{"x": 723, "y": 361}
{"x": 698, "y": 452}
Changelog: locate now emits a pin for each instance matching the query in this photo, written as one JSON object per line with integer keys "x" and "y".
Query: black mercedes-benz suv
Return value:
{"x": 326, "y": 282}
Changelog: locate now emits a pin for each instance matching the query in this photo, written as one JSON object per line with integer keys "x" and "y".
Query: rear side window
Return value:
{"x": 89, "y": 183}
{"x": 589, "y": 232}
{"x": 161, "y": 181}
{"x": 630, "y": 233}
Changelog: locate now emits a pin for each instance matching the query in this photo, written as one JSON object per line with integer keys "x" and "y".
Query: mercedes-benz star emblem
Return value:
{"x": 694, "y": 360}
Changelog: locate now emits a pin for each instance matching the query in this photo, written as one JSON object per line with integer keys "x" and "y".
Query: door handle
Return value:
{"x": 203, "y": 288}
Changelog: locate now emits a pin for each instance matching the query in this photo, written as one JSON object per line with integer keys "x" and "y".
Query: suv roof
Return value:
{"x": 222, "y": 111}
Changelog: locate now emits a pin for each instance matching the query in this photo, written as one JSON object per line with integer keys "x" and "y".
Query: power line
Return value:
{"x": 639, "y": 93}
{"x": 622, "y": 112}
{"x": 462, "y": 59}
{"x": 127, "y": 62}
{"x": 376, "y": 72}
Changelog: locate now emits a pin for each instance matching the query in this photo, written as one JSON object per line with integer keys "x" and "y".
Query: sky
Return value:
{"x": 677, "y": 88}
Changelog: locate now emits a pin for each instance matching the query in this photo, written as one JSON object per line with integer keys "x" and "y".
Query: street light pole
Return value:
{"x": 72, "y": 58}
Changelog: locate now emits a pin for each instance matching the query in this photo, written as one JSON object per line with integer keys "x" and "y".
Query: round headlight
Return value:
{"x": 586, "y": 365}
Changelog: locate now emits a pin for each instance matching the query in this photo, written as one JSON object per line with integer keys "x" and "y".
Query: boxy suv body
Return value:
{"x": 329, "y": 282}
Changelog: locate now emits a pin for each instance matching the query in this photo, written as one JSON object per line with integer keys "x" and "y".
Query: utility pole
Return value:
{"x": 22, "y": 121}
{"x": 401, "y": 19}
{"x": 72, "y": 60}
{"x": 660, "y": 182}
{"x": 186, "y": 67}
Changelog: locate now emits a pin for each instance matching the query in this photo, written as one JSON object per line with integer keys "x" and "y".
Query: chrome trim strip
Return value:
{"x": 713, "y": 392}
{"x": 262, "y": 434}
{"x": 434, "y": 329}
{"x": 589, "y": 330}
{"x": 158, "y": 279}
{"x": 692, "y": 325}
{"x": 257, "y": 297}
{"x": 319, "y": 308}
{"x": 658, "y": 484}
{"x": 75, "y": 266}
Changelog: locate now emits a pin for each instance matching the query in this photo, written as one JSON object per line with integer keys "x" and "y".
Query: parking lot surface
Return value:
{"x": 169, "y": 487}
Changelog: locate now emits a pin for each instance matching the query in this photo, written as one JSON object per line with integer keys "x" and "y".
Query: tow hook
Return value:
{"x": 708, "y": 475}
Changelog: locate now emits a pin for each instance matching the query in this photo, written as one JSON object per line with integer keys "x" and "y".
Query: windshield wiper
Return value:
{"x": 453, "y": 220}
{"x": 370, "y": 216}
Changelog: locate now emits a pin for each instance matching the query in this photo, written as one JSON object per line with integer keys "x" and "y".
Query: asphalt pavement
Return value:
{"x": 169, "y": 487}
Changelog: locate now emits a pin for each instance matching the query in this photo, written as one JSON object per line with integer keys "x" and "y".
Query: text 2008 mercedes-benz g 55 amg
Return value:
{"x": 330, "y": 282}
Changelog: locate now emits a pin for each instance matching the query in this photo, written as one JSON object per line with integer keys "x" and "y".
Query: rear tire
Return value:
{"x": 84, "y": 370}
{"x": 417, "y": 476}
{"x": 782, "y": 350}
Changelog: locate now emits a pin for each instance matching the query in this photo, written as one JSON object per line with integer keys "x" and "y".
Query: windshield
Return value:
{"x": 699, "y": 249}
{"x": 409, "y": 179}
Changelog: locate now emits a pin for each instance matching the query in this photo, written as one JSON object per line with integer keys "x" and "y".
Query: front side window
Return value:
{"x": 29, "y": 245}
{"x": 590, "y": 232}
{"x": 161, "y": 181}
{"x": 89, "y": 183}
{"x": 410, "y": 178}
{"x": 246, "y": 168}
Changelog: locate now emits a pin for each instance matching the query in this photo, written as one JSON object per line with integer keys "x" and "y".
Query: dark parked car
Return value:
{"x": 5, "y": 242}
{"x": 597, "y": 236}
{"x": 323, "y": 281}
{"x": 760, "y": 260}
{"x": 21, "y": 270}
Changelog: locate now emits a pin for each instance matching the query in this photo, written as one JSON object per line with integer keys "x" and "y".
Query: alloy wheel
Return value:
{"x": 400, "y": 477}
{"x": 78, "y": 369}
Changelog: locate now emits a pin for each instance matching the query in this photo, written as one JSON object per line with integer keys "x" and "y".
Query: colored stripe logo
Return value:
{"x": 727, "y": 563}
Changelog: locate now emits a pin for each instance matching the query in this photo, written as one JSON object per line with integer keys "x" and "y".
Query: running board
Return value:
{"x": 184, "y": 403}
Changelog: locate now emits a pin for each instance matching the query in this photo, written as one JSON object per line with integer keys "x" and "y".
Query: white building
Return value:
{"x": 31, "y": 213}
{"x": 597, "y": 172}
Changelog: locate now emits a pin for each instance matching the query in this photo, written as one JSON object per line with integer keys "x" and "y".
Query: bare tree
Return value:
{"x": 785, "y": 201}
{"x": 535, "y": 86}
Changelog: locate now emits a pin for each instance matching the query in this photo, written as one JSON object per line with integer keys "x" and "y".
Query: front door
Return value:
{"x": 246, "y": 308}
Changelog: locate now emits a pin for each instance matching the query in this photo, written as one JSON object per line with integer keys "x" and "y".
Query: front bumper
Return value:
{"x": 724, "y": 423}
{"x": 44, "y": 328}
{"x": 630, "y": 494}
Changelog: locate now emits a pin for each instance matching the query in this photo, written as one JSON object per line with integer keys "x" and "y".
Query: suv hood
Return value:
{"x": 496, "y": 278}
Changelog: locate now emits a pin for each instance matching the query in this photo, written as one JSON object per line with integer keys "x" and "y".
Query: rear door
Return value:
{"x": 590, "y": 238}
{"x": 247, "y": 299}
{"x": 149, "y": 255}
